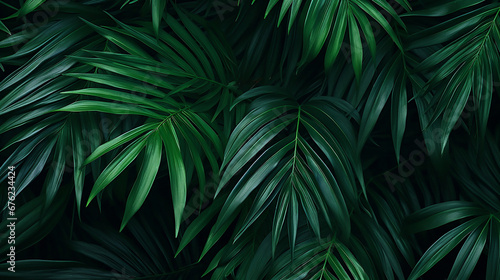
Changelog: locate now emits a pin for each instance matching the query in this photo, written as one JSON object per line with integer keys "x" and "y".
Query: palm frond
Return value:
{"x": 289, "y": 170}
{"x": 465, "y": 65}
{"x": 331, "y": 20}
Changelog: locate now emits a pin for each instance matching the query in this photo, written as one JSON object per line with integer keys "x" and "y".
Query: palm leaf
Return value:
{"x": 323, "y": 19}
{"x": 461, "y": 70}
{"x": 282, "y": 165}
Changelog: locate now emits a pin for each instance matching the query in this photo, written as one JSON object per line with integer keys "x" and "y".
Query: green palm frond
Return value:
{"x": 331, "y": 20}
{"x": 141, "y": 251}
{"x": 43, "y": 138}
{"x": 291, "y": 171}
{"x": 477, "y": 230}
{"x": 217, "y": 142}
{"x": 463, "y": 70}
{"x": 190, "y": 78}
{"x": 327, "y": 259}
{"x": 476, "y": 222}
{"x": 168, "y": 119}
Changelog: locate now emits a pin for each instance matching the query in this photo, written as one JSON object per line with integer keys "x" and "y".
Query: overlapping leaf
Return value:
{"x": 326, "y": 260}
{"x": 187, "y": 66}
{"x": 463, "y": 71}
{"x": 331, "y": 20}
{"x": 293, "y": 156}
{"x": 475, "y": 232}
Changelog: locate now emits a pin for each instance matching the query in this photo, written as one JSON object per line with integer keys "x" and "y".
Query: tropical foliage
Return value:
{"x": 244, "y": 139}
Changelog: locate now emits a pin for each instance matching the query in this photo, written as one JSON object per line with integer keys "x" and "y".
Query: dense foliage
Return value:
{"x": 224, "y": 139}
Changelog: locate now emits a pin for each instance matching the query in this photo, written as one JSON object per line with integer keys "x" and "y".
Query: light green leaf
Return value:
{"x": 176, "y": 171}
{"x": 145, "y": 178}
{"x": 117, "y": 165}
